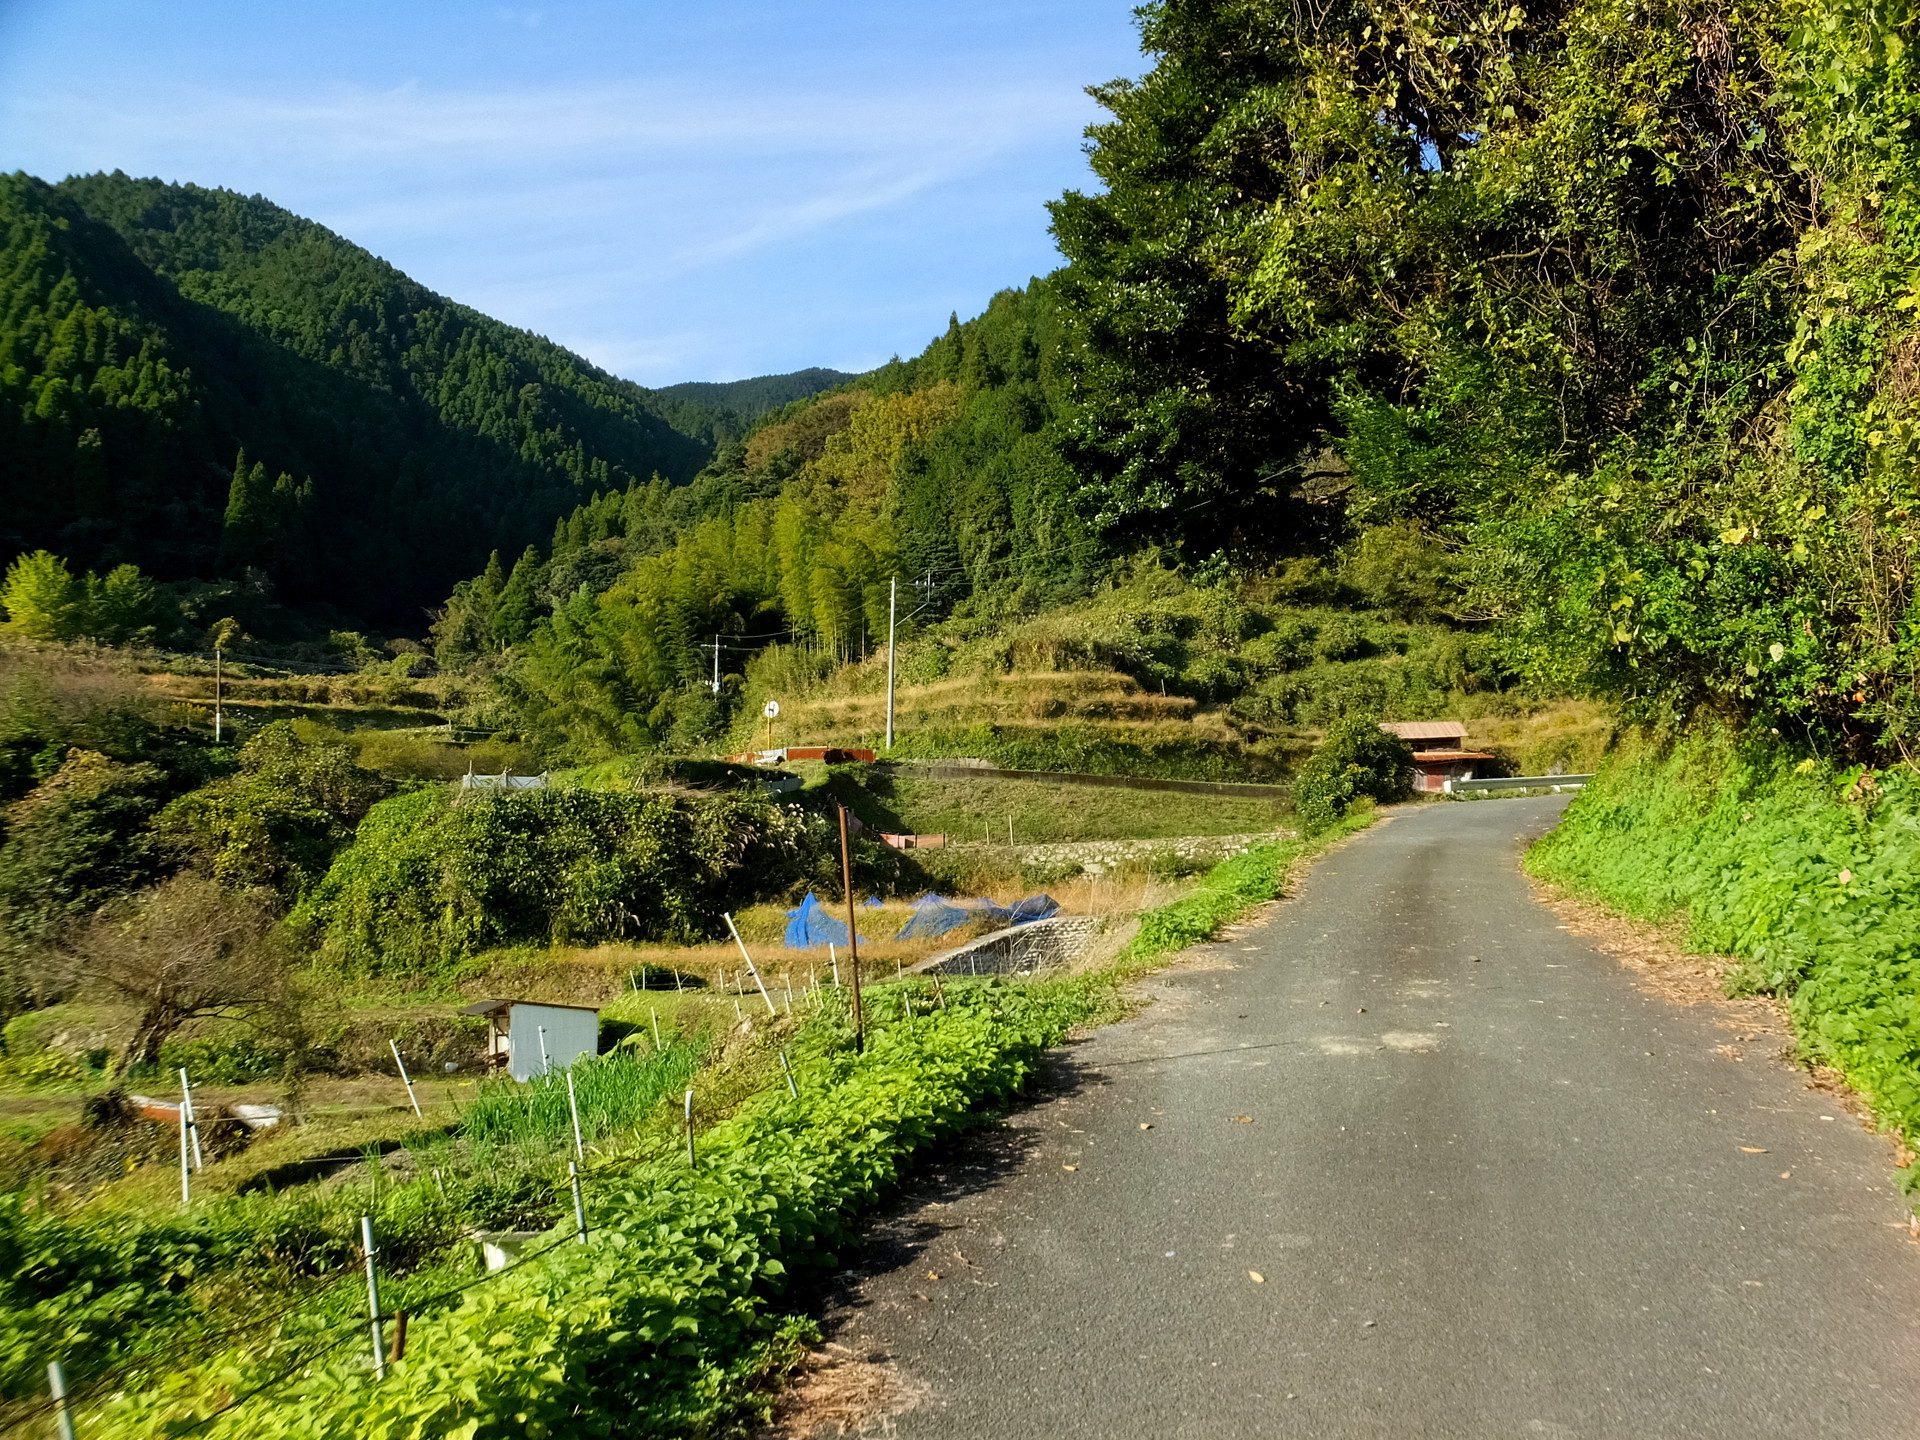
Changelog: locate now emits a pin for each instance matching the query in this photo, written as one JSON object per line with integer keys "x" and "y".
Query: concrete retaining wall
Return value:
{"x": 1018, "y": 949}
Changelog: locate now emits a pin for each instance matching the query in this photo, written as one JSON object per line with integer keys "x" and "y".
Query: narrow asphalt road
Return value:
{"x": 1493, "y": 1190}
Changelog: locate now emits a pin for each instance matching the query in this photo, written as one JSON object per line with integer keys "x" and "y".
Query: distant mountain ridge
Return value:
{"x": 740, "y": 402}
{"x": 153, "y": 334}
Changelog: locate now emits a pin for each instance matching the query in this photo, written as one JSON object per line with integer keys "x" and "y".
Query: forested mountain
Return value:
{"x": 944, "y": 471}
{"x": 201, "y": 383}
{"x": 722, "y": 410}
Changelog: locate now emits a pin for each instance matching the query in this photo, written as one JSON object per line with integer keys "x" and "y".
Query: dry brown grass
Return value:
{"x": 833, "y": 1391}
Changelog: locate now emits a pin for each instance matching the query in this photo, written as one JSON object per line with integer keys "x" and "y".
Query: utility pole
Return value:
{"x": 893, "y": 595}
{"x": 716, "y": 664}
{"x": 853, "y": 936}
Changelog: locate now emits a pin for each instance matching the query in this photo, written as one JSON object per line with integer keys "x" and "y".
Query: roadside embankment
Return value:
{"x": 1802, "y": 871}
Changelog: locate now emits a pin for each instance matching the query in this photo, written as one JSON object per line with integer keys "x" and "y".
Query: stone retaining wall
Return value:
{"x": 1097, "y": 857}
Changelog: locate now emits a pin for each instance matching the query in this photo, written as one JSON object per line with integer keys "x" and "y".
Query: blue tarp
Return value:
{"x": 872, "y": 902}
{"x": 934, "y": 915}
{"x": 811, "y": 928}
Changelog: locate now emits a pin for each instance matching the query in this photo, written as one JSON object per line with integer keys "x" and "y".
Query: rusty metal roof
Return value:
{"x": 1425, "y": 729}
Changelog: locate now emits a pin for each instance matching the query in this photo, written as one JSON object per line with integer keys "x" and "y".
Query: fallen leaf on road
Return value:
{"x": 1753, "y": 1150}
{"x": 933, "y": 1274}
{"x": 1243, "y": 1119}
{"x": 1786, "y": 1174}
{"x": 1069, "y": 1167}
{"x": 1256, "y": 1277}
{"x": 1146, "y": 1125}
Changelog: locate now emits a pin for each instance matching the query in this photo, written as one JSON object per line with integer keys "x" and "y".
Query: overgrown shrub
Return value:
{"x": 431, "y": 880}
{"x": 1357, "y": 758}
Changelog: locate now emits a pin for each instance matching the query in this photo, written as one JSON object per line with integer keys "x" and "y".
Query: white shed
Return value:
{"x": 529, "y": 1038}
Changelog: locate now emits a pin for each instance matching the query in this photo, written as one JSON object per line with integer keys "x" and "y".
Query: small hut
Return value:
{"x": 528, "y": 1038}
{"x": 1439, "y": 752}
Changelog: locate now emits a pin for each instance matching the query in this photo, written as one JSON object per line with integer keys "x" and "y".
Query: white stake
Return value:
{"x": 772, "y": 1009}
{"x": 690, "y": 1159}
{"x": 394, "y": 1046}
{"x": 373, "y": 1298}
{"x": 579, "y": 1202}
{"x": 546, "y": 1060}
{"x": 656, "y": 1029}
{"x": 834, "y": 960}
{"x": 573, "y": 1109}
{"x": 193, "y": 1121}
{"x": 57, "y": 1385}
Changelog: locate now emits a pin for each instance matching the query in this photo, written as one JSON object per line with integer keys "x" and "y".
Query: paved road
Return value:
{"x": 1494, "y": 1190}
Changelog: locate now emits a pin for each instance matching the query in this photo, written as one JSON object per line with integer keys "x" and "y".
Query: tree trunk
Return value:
{"x": 157, "y": 1023}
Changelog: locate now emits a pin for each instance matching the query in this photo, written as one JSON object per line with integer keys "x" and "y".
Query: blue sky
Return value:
{"x": 680, "y": 191}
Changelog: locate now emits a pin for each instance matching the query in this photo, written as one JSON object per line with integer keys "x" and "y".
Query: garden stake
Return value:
{"x": 186, "y": 1181}
{"x": 899, "y": 971}
{"x": 193, "y": 1121}
{"x": 690, "y": 1159}
{"x": 906, "y": 1002}
{"x": 394, "y": 1046}
{"x": 676, "y": 980}
{"x": 752, "y": 969}
{"x": 853, "y": 937}
{"x": 579, "y": 1204}
{"x": 57, "y": 1383}
{"x": 938, "y": 989}
{"x": 399, "y": 1350}
{"x": 440, "y": 1181}
{"x": 736, "y": 1009}
{"x": 373, "y": 1298}
{"x": 656, "y": 1028}
{"x": 546, "y": 1060}
{"x": 834, "y": 960}
{"x": 786, "y": 1065}
{"x": 789, "y": 978}
{"x": 573, "y": 1110}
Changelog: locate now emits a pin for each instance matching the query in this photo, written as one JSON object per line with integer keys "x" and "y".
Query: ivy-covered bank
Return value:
{"x": 1803, "y": 871}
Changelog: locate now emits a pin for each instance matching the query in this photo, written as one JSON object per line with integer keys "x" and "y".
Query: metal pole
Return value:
{"x": 573, "y": 1109}
{"x": 772, "y": 1009}
{"x": 193, "y": 1122}
{"x": 373, "y": 1298}
{"x": 690, "y": 1159}
{"x": 853, "y": 936}
{"x": 394, "y": 1046}
{"x": 579, "y": 1204}
{"x": 893, "y": 591}
{"x": 57, "y": 1384}
{"x": 217, "y": 696}
{"x": 716, "y": 664}
{"x": 787, "y": 1065}
{"x": 546, "y": 1060}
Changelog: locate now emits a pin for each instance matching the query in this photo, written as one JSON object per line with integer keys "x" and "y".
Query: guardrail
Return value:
{"x": 1555, "y": 783}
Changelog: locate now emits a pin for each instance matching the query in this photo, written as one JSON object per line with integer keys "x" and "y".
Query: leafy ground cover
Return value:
{"x": 1046, "y": 811}
{"x": 1801, "y": 869}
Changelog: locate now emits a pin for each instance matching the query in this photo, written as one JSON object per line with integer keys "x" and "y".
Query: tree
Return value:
{"x": 1356, "y": 759}
{"x": 189, "y": 949}
{"x": 514, "y": 612}
{"x": 42, "y": 598}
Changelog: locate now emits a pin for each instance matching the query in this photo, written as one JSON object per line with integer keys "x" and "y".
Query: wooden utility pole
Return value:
{"x": 853, "y": 935}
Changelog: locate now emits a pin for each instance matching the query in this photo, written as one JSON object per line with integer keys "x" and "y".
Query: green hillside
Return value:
{"x": 152, "y": 334}
{"x": 723, "y": 410}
